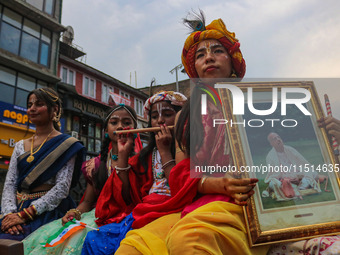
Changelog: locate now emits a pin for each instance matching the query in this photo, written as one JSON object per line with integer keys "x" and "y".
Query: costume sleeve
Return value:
{"x": 9, "y": 200}
{"x": 60, "y": 190}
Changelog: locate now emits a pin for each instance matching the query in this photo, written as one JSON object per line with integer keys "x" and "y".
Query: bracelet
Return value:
{"x": 77, "y": 212}
{"x": 165, "y": 165}
{"x": 118, "y": 169}
{"x": 20, "y": 216}
{"x": 202, "y": 181}
{"x": 35, "y": 212}
{"x": 28, "y": 214}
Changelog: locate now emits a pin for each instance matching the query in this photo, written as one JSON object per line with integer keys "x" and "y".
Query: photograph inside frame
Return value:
{"x": 279, "y": 143}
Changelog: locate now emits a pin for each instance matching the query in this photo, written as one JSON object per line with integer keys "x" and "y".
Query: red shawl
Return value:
{"x": 111, "y": 207}
{"x": 183, "y": 191}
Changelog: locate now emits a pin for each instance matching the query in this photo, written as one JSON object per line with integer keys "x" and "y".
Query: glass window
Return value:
{"x": 46, "y": 35}
{"x": 7, "y": 93}
{"x": 36, "y": 3}
{"x": 21, "y": 98}
{"x": 31, "y": 28}
{"x": 71, "y": 77}
{"x": 84, "y": 140}
{"x": 7, "y": 75}
{"x": 64, "y": 74}
{"x": 91, "y": 129}
{"x": 92, "y": 88}
{"x": 12, "y": 18}
{"x": 98, "y": 130}
{"x": 26, "y": 82}
{"x": 86, "y": 86}
{"x": 29, "y": 47}
{"x": 98, "y": 146}
{"x": 104, "y": 93}
{"x": 49, "y": 6}
{"x": 10, "y": 38}
{"x": 44, "y": 51}
{"x": 16, "y": 86}
{"x": 24, "y": 37}
{"x": 91, "y": 145}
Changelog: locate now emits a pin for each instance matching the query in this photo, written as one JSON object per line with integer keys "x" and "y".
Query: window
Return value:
{"x": 139, "y": 107}
{"x": 89, "y": 88}
{"x": 67, "y": 75}
{"x": 15, "y": 86}
{"x": 123, "y": 94}
{"x": 24, "y": 38}
{"x": 43, "y": 5}
{"x": 90, "y": 133}
{"x": 106, "y": 93}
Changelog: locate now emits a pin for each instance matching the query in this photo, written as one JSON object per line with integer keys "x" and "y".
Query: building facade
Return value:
{"x": 88, "y": 95}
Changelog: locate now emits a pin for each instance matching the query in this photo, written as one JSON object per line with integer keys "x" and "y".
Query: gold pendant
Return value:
{"x": 30, "y": 159}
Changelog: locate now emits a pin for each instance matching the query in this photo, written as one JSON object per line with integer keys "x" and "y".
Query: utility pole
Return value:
{"x": 175, "y": 69}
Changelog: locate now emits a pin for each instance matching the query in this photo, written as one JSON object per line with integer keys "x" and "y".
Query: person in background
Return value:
{"x": 41, "y": 171}
{"x": 145, "y": 176}
{"x": 96, "y": 172}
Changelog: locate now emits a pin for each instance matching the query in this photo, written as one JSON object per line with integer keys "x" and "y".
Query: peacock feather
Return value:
{"x": 195, "y": 21}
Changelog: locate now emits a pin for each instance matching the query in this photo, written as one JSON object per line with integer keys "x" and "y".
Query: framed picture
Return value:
{"x": 275, "y": 137}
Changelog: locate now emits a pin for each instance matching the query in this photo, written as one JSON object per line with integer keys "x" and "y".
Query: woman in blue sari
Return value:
{"x": 41, "y": 172}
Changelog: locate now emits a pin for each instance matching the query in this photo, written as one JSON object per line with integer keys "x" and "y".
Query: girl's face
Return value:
{"x": 117, "y": 121}
{"x": 162, "y": 113}
{"x": 212, "y": 60}
{"x": 37, "y": 111}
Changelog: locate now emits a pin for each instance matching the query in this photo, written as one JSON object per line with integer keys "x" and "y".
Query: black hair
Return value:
{"x": 152, "y": 142}
{"x": 51, "y": 99}
{"x": 101, "y": 175}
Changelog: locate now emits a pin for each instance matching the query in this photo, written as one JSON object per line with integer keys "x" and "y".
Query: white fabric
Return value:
{"x": 160, "y": 185}
{"x": 292, "y": 159}
{"x": 48, "y": 202}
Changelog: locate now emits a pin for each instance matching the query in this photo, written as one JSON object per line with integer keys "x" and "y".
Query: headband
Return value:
{"x": 175, "y": 98}
{"x": 120, "y": 106}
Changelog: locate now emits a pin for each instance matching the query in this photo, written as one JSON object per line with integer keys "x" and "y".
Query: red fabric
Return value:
{"x": 183, "y": 191}
{"x": 138, "y": 144}
{"x": 111, "y": 207}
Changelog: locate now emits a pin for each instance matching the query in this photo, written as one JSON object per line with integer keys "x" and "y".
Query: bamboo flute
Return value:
{"x": 139, "y": 130}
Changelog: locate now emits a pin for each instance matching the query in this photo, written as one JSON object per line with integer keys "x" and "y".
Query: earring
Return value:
{"x": 233, "y": 75}
{"x": 106, "y": 135}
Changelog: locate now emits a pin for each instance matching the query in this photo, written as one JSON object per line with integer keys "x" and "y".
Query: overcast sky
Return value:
{"x": 279, "y": 39}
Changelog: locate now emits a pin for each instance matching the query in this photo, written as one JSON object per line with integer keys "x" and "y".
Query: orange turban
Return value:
{"x": 215, "y": 30}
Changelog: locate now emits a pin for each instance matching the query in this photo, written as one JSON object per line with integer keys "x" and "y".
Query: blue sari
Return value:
{"x": 51, "y": 158}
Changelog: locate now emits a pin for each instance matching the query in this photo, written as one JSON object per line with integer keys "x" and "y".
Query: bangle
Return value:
{"x": 165, "y": 165}
{"x": 118, "y": 169}
{"x": 20, "y": 216}
{"x": 35, "y": 212}
{"x": 28, "y": 214}
{"x": 23, "y": 215}
{"x": 77, "y": 212}
{"x": 202, "y": 182}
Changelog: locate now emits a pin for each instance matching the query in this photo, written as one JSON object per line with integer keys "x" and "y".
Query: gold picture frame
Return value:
{"x": 269, "y": 219}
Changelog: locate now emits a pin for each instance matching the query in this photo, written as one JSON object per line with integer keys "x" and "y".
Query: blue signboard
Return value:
{"x": 17, "y": 116}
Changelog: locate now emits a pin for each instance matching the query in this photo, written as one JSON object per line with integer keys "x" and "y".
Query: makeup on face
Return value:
{"x": 213, "y": 48}
{"x": 162, "y": 113}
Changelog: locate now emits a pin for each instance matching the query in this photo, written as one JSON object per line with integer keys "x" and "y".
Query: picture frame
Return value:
{"x": 273, "y": 214}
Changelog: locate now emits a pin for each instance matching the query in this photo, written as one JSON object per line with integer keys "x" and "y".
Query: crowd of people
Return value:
{"x": 149, "y": 201}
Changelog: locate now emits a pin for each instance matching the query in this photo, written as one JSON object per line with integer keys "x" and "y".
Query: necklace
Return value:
{"x": 30, "y": 158}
